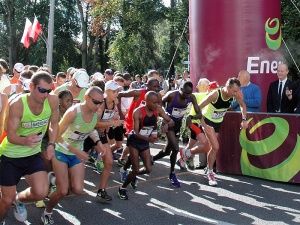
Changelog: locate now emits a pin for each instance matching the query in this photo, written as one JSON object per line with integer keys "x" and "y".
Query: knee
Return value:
{"x": 7, "y": 201}
{"x": 40, "y": 193}
{"x": 135, "y": 171}
{"x": 77, "y": 190}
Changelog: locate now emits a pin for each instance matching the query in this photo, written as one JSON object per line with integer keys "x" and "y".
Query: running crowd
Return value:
{"x": 51, "y": 126}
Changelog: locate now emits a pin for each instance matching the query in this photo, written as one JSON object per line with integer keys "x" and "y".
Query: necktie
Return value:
{"x": 278, "y": 103}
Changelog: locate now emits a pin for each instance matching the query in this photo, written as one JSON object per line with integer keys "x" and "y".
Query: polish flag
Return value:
{"x": 35, "y": 30}
{"x": 25, "y": 38}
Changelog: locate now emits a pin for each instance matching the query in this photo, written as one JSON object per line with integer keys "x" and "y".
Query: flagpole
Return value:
{"x": 50, "y": 35}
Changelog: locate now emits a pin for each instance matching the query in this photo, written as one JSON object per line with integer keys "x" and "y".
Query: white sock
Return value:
{"x": 210, "y": 171}
{"x": 46, "y": 213}
{"x": 188, "y": 153}
{"x": 122, "y": 170}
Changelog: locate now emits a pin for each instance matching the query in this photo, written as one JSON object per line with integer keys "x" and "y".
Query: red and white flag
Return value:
{"x": 35, "y": 30}
{"x": 26, "y": 34}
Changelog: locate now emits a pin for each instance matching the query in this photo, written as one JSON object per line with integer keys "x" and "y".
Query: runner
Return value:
{"x": 68, "y": 164}
{"x": 177, "y": 102}
{"x": 217, "y": 103}
{"x": 28, "y": 120}
{"x": 144, "y": 132}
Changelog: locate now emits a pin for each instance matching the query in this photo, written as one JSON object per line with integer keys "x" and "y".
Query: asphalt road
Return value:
{"x": 236, "y": 200}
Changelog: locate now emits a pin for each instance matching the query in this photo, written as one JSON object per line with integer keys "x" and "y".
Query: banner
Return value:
{"x": 269, "y": 148}
{"x": 229, "y": 36}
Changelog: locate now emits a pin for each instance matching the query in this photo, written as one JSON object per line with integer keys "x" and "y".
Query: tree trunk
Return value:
{"x": 84, "y": 35}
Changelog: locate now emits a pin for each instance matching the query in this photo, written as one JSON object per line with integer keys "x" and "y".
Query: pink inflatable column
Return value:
{"x": 227, "y": 36}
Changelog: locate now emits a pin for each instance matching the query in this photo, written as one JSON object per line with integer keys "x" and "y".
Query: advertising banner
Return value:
{"x": 227, "y": 36}
{"x": 269, "y": 148}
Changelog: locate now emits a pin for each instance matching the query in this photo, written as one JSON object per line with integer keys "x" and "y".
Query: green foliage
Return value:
{"x": 291, "y": 34}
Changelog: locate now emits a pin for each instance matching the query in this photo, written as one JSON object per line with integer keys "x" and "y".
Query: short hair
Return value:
{"x": 119, "y": 79}
{"x": 231, "y": 81}
{"x": 203, "y": 81}
{"x": 137, "y": 76}
{"x": 151, "y": 73}
{"x": 186, "y": 71}
{"x": 151, "y": 80}
{"x": 94, "y": 89}
{"x": 26, "y": 74}
{"x": 33, "y": 68}
{"x": 187, "y": 84}
{"x": 63, "y": 93}
{"x": 46, "y": 69}
{"x": 41, "y": 75}
{"x": 150, "y": 93}
{"x": 61, "y": 74}
{"x": 4, "y": 64}
{"x": 97, "y": 83}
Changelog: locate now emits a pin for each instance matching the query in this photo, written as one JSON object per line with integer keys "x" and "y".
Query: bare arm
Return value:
{"x": 4, "y": 102}
{"x": 126, "y": 94}
{"x": 53, "y": 126}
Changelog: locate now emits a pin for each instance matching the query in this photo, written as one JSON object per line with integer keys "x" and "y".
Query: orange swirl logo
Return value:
{"x": 272, "y": 30}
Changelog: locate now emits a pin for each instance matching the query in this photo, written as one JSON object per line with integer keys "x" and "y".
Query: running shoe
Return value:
{"x": 99, "y": 165}
{"x": 141, "y": 162}
{"x": 174, "y": 182}
{"x": 115, "y": 156}
{"x": 121, "y": 162}
{"x": 2, "y": 223}
{"x": 51, "y": 179}
{"x": 51, "y": 190}
{"x": 123, "y": 174}
{"x": 182, "y": 152}
{"x": 190, "y": 163}
{"x": 134, "y": 183}
{"x": 181, "y": 164}
{"x": 119, "y": 150}
{"x": 122, "y": 194}
{"x": 103, "y": 194}
{"x": 211, "y": 179}
{"x": 40, "y": 204}
{"x": 20, "y": 211}
{"x": 47, "y": 219}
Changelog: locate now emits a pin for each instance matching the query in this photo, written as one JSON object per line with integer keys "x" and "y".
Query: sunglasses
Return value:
{"x": 96, "y": 102}
{"x": 76, "y": 84}
{"x": 43, "y": 90}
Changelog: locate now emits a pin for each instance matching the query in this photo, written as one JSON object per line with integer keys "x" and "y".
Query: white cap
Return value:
{"x": 81, "y": 78}
{"x": 98, "y": 76}
{"x": 19, "y": 67}
{"x": 25, "y": 85}
{"x": 111, "y": 85}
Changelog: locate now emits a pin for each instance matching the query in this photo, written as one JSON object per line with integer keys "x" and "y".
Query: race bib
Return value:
{"x": 143, "y": 103}
{"x": 109, "y": 114}
{"x": 178, "y": 113}
{"x": 75, "y": 101}
{"x": 146, "y": 131}
{"x": 78, "y": 136}
{"x": 218, "y": 114}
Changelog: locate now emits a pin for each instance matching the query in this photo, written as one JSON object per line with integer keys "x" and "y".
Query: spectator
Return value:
{"x": 18, "y": 68}
{"x": 251, "y": 93}
{"x": 137, "y": 84}
{"x": 277, "y": 102}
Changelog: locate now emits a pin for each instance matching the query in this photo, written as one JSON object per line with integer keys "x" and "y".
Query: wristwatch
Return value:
{"x": 244, "y": 119}
{"x": 53, "y": 144}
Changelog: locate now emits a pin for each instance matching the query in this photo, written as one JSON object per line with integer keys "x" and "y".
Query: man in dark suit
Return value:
{"x": 277, "y": 100}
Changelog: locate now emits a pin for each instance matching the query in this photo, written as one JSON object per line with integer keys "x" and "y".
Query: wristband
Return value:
{"x": 64, "y": 145}
{"x": 53, "y": 144}
{"x": 96, "y": 142}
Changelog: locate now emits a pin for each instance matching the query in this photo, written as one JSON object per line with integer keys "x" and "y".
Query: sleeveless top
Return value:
{"x": 215, "y": 111}
{"x": 77, "y": 131}
{"x": 78, "y": 99}
{"x": 177, "y": 111}
{"x": 134, "y": 105}
{"x": 148, "y": 123}
{"x": 199, "y": 97}
{"x": 29, "y": 124}
{"x": 109, "y": 114}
